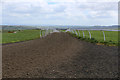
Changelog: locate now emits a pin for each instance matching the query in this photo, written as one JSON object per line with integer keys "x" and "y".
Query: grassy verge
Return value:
{"x": 97, "y": 37}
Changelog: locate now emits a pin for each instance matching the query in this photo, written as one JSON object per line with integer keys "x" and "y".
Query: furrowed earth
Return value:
{"x": 59, "y": 55}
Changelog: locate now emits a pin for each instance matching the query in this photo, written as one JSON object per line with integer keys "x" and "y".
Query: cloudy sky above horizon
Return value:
{"x": 60, "y": 12}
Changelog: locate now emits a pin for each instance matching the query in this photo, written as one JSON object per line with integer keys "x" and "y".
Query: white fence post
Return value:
{"x": 76, "y": 32}
{"x": 45, "y": 32}
{"x": 79, "y": 33}
{"x": 104, "y": 35}
{"x": 40, "y": 34}
{"x": 72, "y": 31}
{"x": 89, "y": 34}
{"x": 83, "y": 35}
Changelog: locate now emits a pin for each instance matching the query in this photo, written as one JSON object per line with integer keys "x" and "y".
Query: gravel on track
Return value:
{"x": 59, "y": 55}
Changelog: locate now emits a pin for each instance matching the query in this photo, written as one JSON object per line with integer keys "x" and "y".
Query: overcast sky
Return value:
{"x": 60, "y": 12}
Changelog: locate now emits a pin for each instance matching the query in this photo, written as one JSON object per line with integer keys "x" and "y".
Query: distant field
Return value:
{"x": 20, "y": 36}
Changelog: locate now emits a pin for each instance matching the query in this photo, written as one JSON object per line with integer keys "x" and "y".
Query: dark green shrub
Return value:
{"x": 105, "y": 42}
{"x": 113, "y": 43}
{"x": 93, "y": 41}
{"x": 92, "y": 38}
{"x": 79, "y": 37}
{"x": 96, "y": 41}
{"x": 82, "y": 38}
{"x": 88, "y": 38}
{"x": 110, "y": 41}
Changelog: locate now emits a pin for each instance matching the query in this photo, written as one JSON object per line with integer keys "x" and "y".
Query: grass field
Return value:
{"x": 20, "y": 36}
{"x": 111, "y": 37}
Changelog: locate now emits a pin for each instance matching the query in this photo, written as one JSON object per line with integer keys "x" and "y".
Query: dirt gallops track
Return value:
{"x": 59, "y": 55}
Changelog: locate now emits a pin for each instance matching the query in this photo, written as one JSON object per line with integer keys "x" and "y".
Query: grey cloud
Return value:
{"x": 99, "y": 6}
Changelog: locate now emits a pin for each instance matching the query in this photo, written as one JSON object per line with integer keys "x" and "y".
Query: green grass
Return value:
{"x": 97, "y": 36}
{"x": 62, "y": 30}
{"x": 20, "y": 36}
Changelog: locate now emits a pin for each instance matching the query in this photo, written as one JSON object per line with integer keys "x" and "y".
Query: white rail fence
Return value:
{"x": 89, "y": 34}
{"x": 83, "y": 34}
{"x": 78, "y": 33}
{"x": 46, "y": 32}
{"x": 89, "y": 31}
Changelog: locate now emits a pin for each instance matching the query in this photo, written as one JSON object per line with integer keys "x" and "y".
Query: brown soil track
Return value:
{"x": 59, "y": 55}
